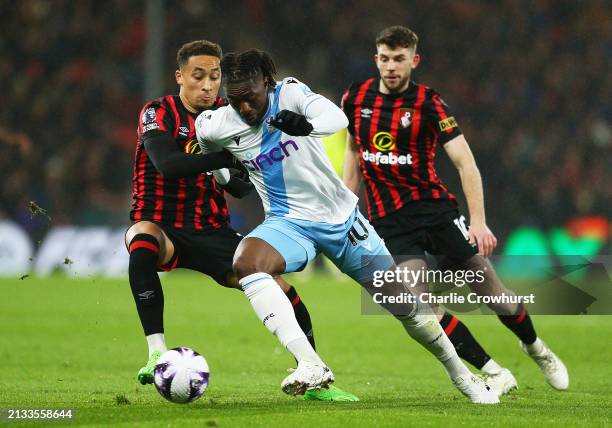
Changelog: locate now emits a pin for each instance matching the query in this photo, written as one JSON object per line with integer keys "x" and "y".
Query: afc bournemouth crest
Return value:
{"x": 406, "y": 117}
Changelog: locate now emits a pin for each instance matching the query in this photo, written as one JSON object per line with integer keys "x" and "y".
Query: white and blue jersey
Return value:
{"x": 308, "y": 208}
{"x": 292, "y": 175}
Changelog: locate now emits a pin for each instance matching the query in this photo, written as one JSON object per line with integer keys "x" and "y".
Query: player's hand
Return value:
{"x": 481, "y": 234}
{"x": 241, "y": 173}
{"x": 239, "y": 185}
{"x": 291, "y": 123}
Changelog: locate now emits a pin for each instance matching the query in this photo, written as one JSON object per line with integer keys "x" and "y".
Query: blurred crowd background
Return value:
{"x": 529, "y": 82}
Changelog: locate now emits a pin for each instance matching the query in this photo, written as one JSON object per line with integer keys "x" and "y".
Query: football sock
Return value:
{"x": 520, "y": 324}
{"x": 535, "y": 348}
{"x": 465, "y": 344}
{"x": 156, "y": 342}
{"x": 491, "y": 367}
{"x": 426, "y": 330}
{"x": 144, "y": 282}
{"x": 302, "y": 315}
{"x": 275, "y": 311}
{"x": 303, "y": 348}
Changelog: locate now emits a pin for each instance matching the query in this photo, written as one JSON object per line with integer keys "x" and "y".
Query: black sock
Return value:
{"x": 465, "y": 344}
{"x": 144, "y": 281}
{"x": 302, "y": 315}
{"x": 520, "y": 324}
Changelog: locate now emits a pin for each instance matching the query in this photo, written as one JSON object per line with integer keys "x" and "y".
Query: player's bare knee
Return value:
{"x": 254, "y": 255}
{"x": 244, "y": 265}
{"x": 144, "y": 227}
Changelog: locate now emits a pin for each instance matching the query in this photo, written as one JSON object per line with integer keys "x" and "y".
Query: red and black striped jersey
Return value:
{"x": 397, "y": 135}
{"x": 191, "y": 203}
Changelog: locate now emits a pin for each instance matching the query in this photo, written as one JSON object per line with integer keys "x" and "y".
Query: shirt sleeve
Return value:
{"x": 324, "y": 116}
{"x": 203, "y": 126}
{"x": 156, "y": 118}
{"x": 441, "y": 119}
{"x": 204, "y": 130}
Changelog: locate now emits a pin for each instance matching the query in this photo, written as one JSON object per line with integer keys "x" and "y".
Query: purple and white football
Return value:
{"x": 181, "y": 375}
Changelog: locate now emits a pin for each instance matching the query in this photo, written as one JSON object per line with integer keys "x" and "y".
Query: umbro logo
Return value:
{"x": 184, "y": 131}
{"x": 146, "y": 295}
{"x": 366, "y": 113}
{"x": 236, "y": 139}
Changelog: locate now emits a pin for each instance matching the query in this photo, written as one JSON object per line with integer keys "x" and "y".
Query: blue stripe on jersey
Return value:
{"x": 273, "y": 177}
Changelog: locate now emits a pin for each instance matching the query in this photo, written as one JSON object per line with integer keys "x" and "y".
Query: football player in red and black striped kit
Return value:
{"x": 179, "y": 214}
{"x": 394, "y": 128}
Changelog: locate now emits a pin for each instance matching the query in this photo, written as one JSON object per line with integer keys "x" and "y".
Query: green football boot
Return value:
{"x": 145, "y": 374}
{"x": 332, "y": 393}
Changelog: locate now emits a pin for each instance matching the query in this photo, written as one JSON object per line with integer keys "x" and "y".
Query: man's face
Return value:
{"x": 249, "y": 98}
{"x": 199, "y": 79}
{"x": 395, "y": 66}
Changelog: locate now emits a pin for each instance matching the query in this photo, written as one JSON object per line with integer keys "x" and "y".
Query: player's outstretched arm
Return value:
{"x": 460, "y": 154}
{"x": 172, "y": 163}
{"x": 351, "y": 171}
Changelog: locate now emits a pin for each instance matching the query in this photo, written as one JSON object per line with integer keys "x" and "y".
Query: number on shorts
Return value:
{"x": 460, "y": 223}
{"x": 355, "y": 236}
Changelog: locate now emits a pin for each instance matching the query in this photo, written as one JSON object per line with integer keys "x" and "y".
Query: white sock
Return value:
{"x": 536, "y": 347}
{"x": 426, "y": 330}
{"x": 156, "y": 343}
{"x": 491, "y": 367}
{"x": 303, "y": 348}
{"x": 275, "y": 311}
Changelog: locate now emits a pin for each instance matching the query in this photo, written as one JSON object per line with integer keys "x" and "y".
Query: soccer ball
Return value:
{"x": 181, "y": 375}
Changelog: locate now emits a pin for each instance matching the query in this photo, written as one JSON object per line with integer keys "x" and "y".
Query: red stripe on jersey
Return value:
{"x": 395, "y": 197}
{"x": 344, "y": 98}
{"x": 180, "y": 203}
{"x": 198, "y": 208}
{"x": 177, "y": 119}
{"x": 144, "y": 244}
{"x": 440, "y": 110}
{"x": 414, "y": 134}
{"x": 192, "y": 130}
{"x": 433, "y": 178}
{"x": 431, "y": 172}
{"x": 159, "y": 197}
{"x": 142, "y": 161}
{"x": 358, "y": 102}
{"x": 396, "y": 149}
{"x": 214, "y": 210}
{"x": 135, "y": 177}
{"x": 160, "y": 119}
{"x": 221, "y": 192}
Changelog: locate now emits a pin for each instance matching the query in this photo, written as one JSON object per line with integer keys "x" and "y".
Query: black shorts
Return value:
{"x": 433, "y": 227}
{"x": 210, "y": 252}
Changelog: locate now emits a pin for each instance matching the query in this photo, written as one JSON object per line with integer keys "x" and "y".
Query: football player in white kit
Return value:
{"x": 273, "y": 129}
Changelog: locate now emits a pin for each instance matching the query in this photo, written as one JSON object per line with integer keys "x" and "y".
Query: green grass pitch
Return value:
{"x": 77, "y": 343}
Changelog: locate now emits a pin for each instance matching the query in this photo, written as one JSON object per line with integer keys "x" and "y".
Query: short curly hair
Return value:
{"x": 197, "y": 47}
